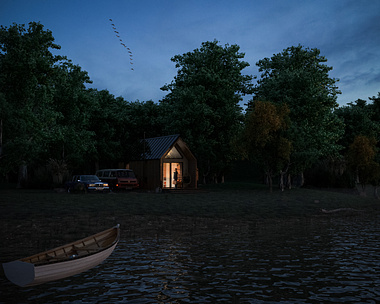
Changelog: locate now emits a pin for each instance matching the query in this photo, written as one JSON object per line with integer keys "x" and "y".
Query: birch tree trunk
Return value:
{"x": 22, "y": 175}
{"x": 289, "y": 182}
{"x": 375, "y": 188}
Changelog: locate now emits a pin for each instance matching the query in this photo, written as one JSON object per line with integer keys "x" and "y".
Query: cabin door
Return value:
{"x": 169, "y": 170}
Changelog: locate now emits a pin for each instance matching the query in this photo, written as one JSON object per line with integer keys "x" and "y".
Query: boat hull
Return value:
{"x": 26, "y": 274}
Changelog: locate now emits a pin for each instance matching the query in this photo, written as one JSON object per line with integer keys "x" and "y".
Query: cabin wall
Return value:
{"x": 150, "y": 173}
{"x": 147, "y": 172}
{"x": 191, "y": 165}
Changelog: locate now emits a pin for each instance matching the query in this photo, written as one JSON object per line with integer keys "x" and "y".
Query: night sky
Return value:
{"x": 346, "y": 32}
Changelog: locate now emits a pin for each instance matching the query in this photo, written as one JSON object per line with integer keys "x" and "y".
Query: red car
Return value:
{"x": 118, "y": 178}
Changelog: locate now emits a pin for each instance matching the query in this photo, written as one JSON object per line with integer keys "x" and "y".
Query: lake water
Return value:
{"x": 324, "y": 260}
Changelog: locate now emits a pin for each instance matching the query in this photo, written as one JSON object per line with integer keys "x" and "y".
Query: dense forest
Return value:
{"x": 52, "y": 125}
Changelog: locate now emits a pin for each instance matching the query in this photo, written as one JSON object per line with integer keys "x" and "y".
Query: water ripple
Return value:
{"x": 330, "y": 261}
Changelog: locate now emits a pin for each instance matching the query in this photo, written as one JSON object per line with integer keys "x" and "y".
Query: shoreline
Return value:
{"x": 36, "y": 220}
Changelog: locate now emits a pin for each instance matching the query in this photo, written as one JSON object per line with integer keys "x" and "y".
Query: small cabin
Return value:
{"x": 161, "y": 160}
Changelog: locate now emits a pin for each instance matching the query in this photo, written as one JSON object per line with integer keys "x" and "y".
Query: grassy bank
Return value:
{"x": 231, "y": 200}
{"x": 41, "y": 219}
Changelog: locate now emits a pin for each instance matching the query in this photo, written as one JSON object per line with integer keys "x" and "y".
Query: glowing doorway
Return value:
{"x": 169, "y": 170}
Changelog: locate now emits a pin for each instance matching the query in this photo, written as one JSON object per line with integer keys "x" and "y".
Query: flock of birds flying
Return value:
{"x": 122, "y": 43}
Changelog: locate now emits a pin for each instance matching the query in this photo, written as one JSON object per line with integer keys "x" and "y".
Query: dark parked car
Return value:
{"x": 87, "y": 183}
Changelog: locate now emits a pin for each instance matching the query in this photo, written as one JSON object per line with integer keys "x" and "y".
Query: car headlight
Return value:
{"x": 105, "y": 185}
{"x": 91, "y": 185}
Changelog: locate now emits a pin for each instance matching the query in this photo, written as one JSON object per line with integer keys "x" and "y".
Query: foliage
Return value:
{"x": 73, "y": 138}
{"x": 264, "y": 140}
{"x": 359, "y": 119}
{"x": 58, "y": 169}
{"x": 299, "y": 78}
{"x": 51, "y": 123}
{"x": 361, "y": 159}
{"x": 47, "y": 112}
{"x": 374, "y": 108}
{"x": 145, "y": 119}
{"x": 361, "y": 140}
{"x": 141, "y": 120}
{"x": 203, "y": 103}
{"x": 27, "y": 76}
{"x": 330, "y": 173}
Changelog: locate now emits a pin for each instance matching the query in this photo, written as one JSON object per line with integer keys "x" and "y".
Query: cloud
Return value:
{"x": 346, "y": 32}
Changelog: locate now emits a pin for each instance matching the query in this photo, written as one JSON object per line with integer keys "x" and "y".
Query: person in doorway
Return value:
{"x": 175, "y": 177}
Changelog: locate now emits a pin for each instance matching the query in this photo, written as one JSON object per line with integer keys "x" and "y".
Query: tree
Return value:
{"x": 359, "y": 119}
{"x": 375, "y": 110}
{"x": 125, "y": 124}
{"x": 26, "y": 85}
{"x": 265, "y": 141}
{"x": 376, "y": 106}
{"x": 361, "y": 159}
{"x": 73, "y": 139}
{"x": 106, "y": 122}
{"x": 203, "y": 103}
{"x": 145, "y": 120}
{"x": 299, "y": 78}
{"x": 45, "y": 107}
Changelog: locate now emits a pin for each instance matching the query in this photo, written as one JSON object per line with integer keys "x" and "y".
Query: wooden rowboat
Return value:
{"x": 63, "y": 261}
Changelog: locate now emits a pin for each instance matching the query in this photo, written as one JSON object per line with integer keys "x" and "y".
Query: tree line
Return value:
{"x": 51, "y": 124}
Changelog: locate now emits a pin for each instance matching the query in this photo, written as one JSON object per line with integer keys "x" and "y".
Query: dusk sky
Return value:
{"x": 346, "y": 32}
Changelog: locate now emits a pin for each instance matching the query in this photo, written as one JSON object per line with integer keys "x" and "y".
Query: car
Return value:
{"x": 86, "y": 183}
{"x": 118, "y": 178}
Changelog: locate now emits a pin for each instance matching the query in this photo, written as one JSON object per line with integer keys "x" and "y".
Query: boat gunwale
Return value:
{"x": 69, "y": 258}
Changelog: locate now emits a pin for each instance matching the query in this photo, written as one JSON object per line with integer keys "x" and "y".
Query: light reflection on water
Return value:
{"x": 332, "y": 260}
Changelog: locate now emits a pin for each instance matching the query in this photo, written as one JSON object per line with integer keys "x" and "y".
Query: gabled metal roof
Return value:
{"x": 155, "y": 148}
